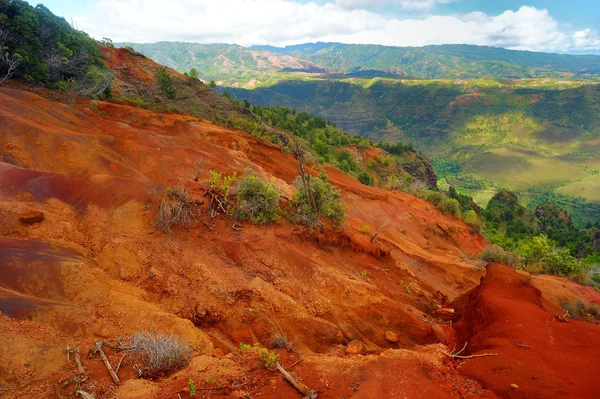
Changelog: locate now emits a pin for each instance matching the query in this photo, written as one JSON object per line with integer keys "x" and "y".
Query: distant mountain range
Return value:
{"x": 230, "y": 61}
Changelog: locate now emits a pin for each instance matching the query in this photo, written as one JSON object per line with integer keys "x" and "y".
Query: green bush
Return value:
{"x": 473, "y": 220}
{"x": 326, "y": 201}
{"x": 450, "y": 206}
{"x": 165, "y": 83}
{"x": 257, "y": 200}
{"x": 436, "y": 198}
{"x": 560, "y": 262}
{"x": 365, "y": 178}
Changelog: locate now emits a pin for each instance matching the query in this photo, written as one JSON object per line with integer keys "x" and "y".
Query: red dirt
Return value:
{"x": 96, "y": 268}
{"x": 546, "y": 358}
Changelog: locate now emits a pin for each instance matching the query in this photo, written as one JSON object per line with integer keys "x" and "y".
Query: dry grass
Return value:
{"x": 157, "y": 354}
{"x": 176, "y": 208}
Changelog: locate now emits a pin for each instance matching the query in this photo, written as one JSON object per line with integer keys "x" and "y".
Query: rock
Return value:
{"x": 391, "y": 337}
{"x": 356, "y": 348}
{"x": 218, "y": 352}
{"x": 514, "y": 386}
{"x": 32, "y": 217}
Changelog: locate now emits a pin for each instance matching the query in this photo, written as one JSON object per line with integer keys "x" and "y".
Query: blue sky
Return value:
{"x": 538, "y": 25}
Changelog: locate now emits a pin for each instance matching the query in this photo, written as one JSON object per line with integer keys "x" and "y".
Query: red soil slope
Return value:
{"x": 96, "y": 268}
{"x": 545, "y": 357}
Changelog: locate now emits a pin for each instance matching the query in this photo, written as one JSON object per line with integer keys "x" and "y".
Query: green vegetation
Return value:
{"x": 268, "y": 358}
{"x": 193, "y": 73}
{"x": 257, "y": 200}
{"x": 165, "y": 83}
{"x": 316, "y": 198}
{"x": 38, "y": 46}
{"x": 192, "y": 387}
{"x": 236, "y": 64}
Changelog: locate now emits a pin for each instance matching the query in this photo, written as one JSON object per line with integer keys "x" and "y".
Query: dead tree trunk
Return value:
{"x": 305, "y": 178}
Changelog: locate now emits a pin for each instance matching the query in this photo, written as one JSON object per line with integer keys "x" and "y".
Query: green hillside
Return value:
{"x": 229, "y": 64}
{"x": 489, "y": 118}
{"x": 443, "y": 62}
{"x": 481, "y": 136}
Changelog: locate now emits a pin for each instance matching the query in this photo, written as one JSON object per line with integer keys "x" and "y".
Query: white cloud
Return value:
{"x": 410, "y": 5}
{"x": 283, "y": 22}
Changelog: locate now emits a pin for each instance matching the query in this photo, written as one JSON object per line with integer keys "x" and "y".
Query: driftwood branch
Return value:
{"x": 98, "y": 349}
{"x": 299, "y": 385}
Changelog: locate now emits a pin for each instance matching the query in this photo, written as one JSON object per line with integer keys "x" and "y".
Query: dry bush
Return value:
{"x": 157, "y": 354}
{"x": 176, "y": 208}
{"x": 494, "y": 253}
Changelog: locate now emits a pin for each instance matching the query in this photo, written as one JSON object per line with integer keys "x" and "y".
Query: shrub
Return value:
{"x": 450, "y": 206}
{"x": 472, "y": 219}
{"x": 495, "y": 254}
{"x": 176, "y": 208}
{"x": 157, "y": 354}
{"x": 165, "y": 83}
{"x": 326, "y": 200}
{"x": 435, "y": 197}
{"x": 560, "y": 261}
{"x": 257, "y": 200}
{"x": 365, "y": 178}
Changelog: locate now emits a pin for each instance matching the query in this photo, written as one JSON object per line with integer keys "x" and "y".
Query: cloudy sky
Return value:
{"x": 540, "y": 25}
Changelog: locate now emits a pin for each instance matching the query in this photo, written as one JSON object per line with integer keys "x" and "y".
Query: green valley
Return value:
{"x": 488, "y": 118}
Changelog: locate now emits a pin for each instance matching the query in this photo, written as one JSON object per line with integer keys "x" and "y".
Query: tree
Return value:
{"x": 193, "y": 73}
{"x": 165, "y": 83}
{"x": 107, "y": 42}
{"x": 213, "y": 84}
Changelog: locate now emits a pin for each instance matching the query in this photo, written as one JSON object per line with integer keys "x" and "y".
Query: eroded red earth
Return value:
{"x": 95, "y": 268}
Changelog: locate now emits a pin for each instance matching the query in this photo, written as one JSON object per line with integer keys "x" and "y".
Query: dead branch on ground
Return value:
{"x": 299, "y": 385}
{"x": 379, "y": 230}
{"x": 75, "y": 352}
{"x": 98, "y": 349}
{"x": 457, "y": 355}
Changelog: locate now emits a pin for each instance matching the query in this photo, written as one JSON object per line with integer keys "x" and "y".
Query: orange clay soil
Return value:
{"x": 95, "y": 268}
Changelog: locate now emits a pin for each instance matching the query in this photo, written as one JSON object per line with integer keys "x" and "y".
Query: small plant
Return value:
{"x": 176, "y": 208}
{"x": 364, "y": 228}
{"x": 269, "y": 358}
{"x": 157, "y": 354}
{"x": 210, "y": 380}
{"x": 192, "y": 387}
{"x": 219, "y": 189}
{"x": 363, "y": 274}
{"x": 245, "y": 347}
